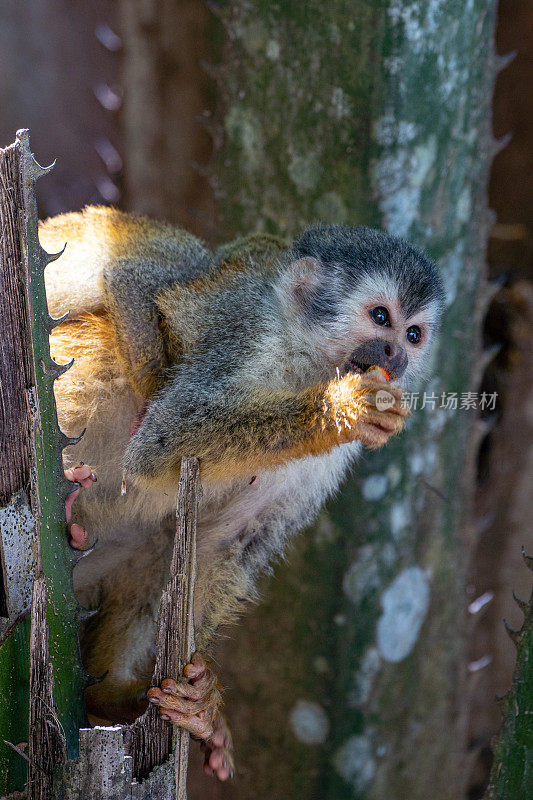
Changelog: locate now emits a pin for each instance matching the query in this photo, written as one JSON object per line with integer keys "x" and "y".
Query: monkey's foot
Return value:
{"x": 218, "y": 751}
{"x": 85, "y": 477}
{"x": 193, "y": 703}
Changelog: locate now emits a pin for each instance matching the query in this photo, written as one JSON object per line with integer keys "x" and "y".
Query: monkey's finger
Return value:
{"x": 82, "y": 474}
{"x": 198, "y": 698}
{"x": 216, "y": 758}
{"x": 392, "y": 411}
{"x": 387, "y": 421}
{"x": 198, "y": 725}
{"x": 196, "y": 668}
{"x": 219, "y": 739}
{"x": 175, "y": 703}
{"x": 383, "y": 421}
{"x": 70, "y": 499}
{"x": 395, "y": 392}
{"x": 218, "y": 762}
{"x": 222, "y": 773}
{"x": 77, "y": 535}
{"x": 193, "y": 691}
{"x": 402, "y": 411}
{"x": 375, "y": 434}
{"x": 219, "y": 757}
{"x": 375, "y": 381}
{"x": 218, "y": 750}
{"x": 84, "y": 477}
{"x": 385, "y": 401}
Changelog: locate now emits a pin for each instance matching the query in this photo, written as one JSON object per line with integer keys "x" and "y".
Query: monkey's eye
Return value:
{"x": 381, "y": 316}
{"x": 413, "y": 334}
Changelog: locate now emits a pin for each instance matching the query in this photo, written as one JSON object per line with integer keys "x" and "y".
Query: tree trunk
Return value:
{"x": 349, "y": 681}
{"x": 165, "y": 90}
{"x": 512, "y": 771}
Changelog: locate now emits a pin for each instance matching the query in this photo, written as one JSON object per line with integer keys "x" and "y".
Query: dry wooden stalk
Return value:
{"x": 46, "y": 740}
{"x": 16, "y": 369}
{"x": 152, "y": 739}
{"x": 149, "y": 751}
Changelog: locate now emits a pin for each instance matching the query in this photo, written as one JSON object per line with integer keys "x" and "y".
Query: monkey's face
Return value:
{"x": 378, "y": 330}
{"x": 367, "y": 298}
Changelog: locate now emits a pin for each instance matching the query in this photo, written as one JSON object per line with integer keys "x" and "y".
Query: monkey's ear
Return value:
{"x": 302, "y": 278}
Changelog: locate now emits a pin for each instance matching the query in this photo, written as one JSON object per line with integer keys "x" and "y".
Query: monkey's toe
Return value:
{"x": 85, "y": 477}
{"x": 193, "y": 704}
{"x": 218, "y": 751}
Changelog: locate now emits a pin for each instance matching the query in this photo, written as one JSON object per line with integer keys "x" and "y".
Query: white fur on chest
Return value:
{"x": 287, "y": 497}
{"x": 298, "y": 487}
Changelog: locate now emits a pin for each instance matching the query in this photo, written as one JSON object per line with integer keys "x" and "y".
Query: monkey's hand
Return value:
{"x": 194, "y": 703}
{"x": 84, "y": 477}
{"x": 364, "y": 407}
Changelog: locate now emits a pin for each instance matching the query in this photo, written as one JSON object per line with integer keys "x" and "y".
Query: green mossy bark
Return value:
{"x": 57, "y": 558}
{"x": 374, "y": 113}
{"x": 49, "y": 490}
{"x": 14, "y": 706}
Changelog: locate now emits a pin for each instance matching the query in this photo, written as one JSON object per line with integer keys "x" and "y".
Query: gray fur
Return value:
{"x": 352, "y": 252}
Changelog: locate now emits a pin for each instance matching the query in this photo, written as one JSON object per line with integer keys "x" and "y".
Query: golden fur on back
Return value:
{"x": 90, "y": 341}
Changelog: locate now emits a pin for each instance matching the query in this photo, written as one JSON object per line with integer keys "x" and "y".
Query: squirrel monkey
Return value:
{"x": 256, "y": 359}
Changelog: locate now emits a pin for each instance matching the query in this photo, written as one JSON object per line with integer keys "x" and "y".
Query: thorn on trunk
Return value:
{"x": 515, "y": 636}
{"x": 520, "y": 603}
{"x": 53, "y": 322}
{"x": 36, "y": 171}
{"x": 497, "y": 145}
{"x": 71, "y": 440}
{"x": 502, "y": 62}
{"x": 49, "y": 257}
{"x": 91, "y": 680}
{"x": 528, "y": 559}
{"x": 54, "y": 370}
{"x": 83, "y": 614}
{"x": 77, "y": 555}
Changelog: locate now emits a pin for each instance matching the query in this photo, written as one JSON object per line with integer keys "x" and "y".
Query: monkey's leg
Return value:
{"x": 118, "y": 642}
{"x": 194, "y": 703}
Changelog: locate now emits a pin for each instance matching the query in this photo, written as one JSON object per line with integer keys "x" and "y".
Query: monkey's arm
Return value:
{"x": 234, "y": 430}
{"x": 135, "y": 316}
{"x": 131, "y": 287}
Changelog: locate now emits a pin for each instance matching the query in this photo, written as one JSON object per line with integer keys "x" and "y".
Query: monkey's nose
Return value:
{"x": 381, "y": 353}
{"x": 391, "y": 357}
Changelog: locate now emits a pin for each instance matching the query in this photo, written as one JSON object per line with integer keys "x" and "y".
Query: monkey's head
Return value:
{"x": 373, "y": 298}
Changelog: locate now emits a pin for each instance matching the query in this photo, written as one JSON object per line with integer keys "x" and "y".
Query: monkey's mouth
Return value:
{"x": 357, "y": 367}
